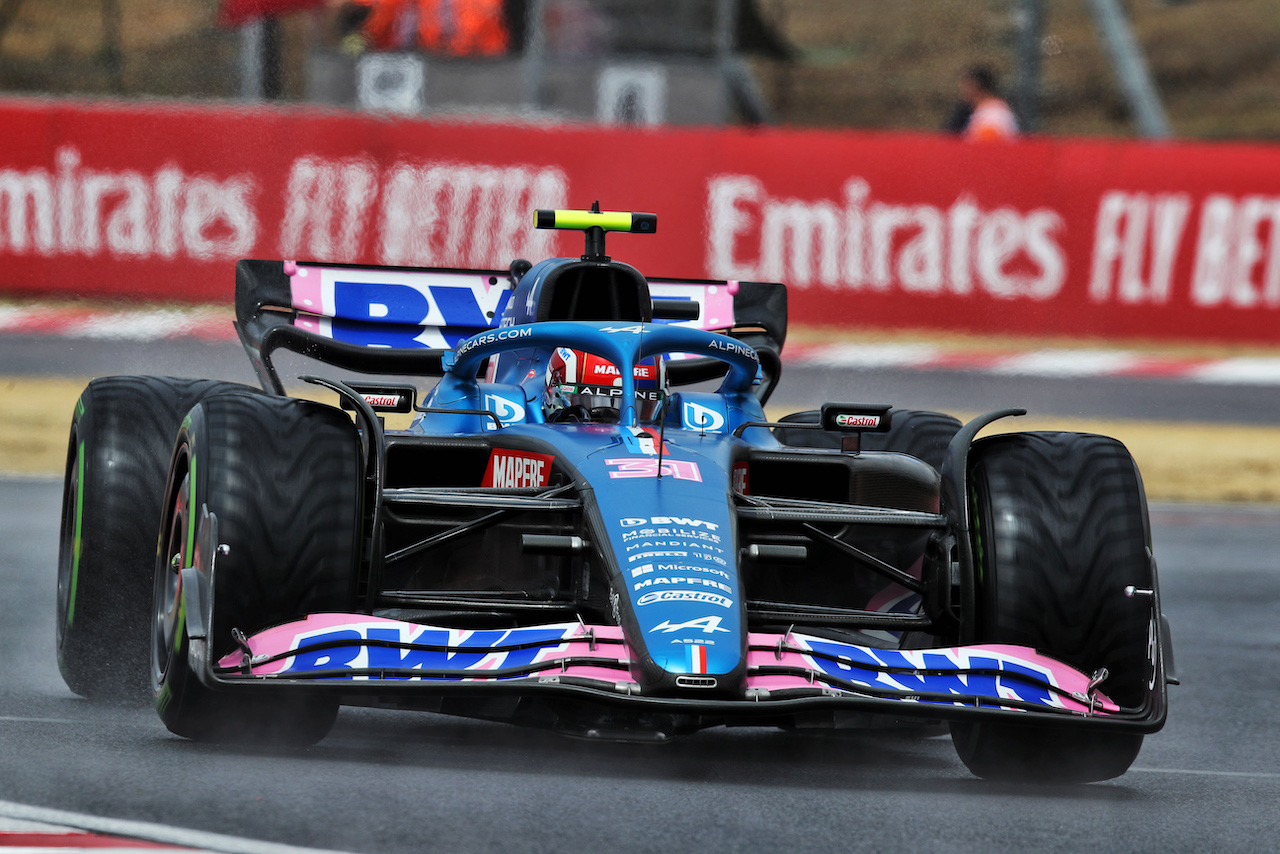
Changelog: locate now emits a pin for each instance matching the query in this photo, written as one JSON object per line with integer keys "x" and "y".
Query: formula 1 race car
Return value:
{"x": 560, "y": 539}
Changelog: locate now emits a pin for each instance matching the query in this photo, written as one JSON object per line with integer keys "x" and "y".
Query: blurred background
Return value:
{"x": 1214, "y": 64}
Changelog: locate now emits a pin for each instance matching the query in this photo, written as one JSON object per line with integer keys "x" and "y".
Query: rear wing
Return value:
{"x": 402, "y": 320}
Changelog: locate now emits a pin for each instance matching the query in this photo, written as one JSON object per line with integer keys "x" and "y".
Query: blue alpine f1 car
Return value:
{"x": 580, "y": 530}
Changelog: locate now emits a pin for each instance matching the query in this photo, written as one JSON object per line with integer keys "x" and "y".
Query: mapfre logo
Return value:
{"x": 511, "y": 469}
{"x": 599, "y": 370}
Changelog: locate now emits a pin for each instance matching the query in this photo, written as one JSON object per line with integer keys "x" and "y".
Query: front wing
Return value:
{"x": 360, "y": 654}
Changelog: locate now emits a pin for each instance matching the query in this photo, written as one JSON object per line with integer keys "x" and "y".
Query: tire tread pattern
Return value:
{"x": 1060, "y": 528}
{"x": 282, "y": 476}
{"x": 1067, "y": 534}
{"x": 127, "y": 425}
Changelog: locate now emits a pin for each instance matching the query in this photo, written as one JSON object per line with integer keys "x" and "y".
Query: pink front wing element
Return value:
{"x": 571, "y": 644}
{"x": 946, "y": 668}
{"x": 288, "y": 637}
{"x": 989, "y": 671}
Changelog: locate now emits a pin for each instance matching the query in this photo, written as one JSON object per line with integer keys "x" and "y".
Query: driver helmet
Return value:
{"x": 585, "y": 387}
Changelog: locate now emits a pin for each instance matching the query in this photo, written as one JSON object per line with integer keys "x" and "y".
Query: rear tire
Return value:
{"x": 915, "y": 432}
{"x": 282, "y": 476}
{"x": 1059, "y": 530}
{"x": 121, "y": 439}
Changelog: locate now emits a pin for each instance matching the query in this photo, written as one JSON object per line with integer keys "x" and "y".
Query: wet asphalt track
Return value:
{"x": 398, "y": 782}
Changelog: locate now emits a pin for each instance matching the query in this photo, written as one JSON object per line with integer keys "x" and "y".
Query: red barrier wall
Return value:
{"x": 1070, "y": 237}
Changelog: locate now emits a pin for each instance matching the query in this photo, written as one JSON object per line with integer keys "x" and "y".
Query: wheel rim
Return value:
{"x": 168, "y": 585}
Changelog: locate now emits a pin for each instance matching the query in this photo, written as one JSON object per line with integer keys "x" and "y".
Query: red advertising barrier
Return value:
{"x": 1071, "y": 237}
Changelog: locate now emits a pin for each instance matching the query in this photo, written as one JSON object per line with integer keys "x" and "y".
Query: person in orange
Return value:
{"x": 991, "y": 119}
{"x": 454, "y": 27}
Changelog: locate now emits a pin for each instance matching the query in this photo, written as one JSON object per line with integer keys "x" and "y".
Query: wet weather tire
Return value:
{"x": 915, "y": 432}
{"x": 121, "y": 439}
{"x": 1059, "y": 530}
{"x": 283, "y": 479}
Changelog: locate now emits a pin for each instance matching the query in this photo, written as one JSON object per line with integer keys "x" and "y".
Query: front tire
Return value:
{"x": 283, "y": 478}
{"x": 1059, "y": 530}
{"x": 117, "y": 457}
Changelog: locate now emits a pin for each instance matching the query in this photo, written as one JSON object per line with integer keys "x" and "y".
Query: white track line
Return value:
{"x": 1061, "y": 363}
{"x": 197, "y": 839}
{"x": 1065, "y": 363}
{"x": 1241, "y": 371}
{"x": 142, "y": 324}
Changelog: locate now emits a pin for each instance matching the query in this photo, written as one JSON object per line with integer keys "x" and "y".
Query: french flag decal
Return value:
{"x": 697, "y": 658}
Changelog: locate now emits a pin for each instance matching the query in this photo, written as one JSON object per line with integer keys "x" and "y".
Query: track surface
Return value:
{"x": 397, "y": 782}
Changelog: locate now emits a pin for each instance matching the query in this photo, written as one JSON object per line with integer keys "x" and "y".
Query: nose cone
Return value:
{"x": 679, "y": 597}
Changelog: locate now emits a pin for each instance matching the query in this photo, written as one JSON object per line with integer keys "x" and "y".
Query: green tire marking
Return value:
{"x": 180, "y": 624}
{"x": 75, "y": 547}
{"x": 191, "y": 516}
